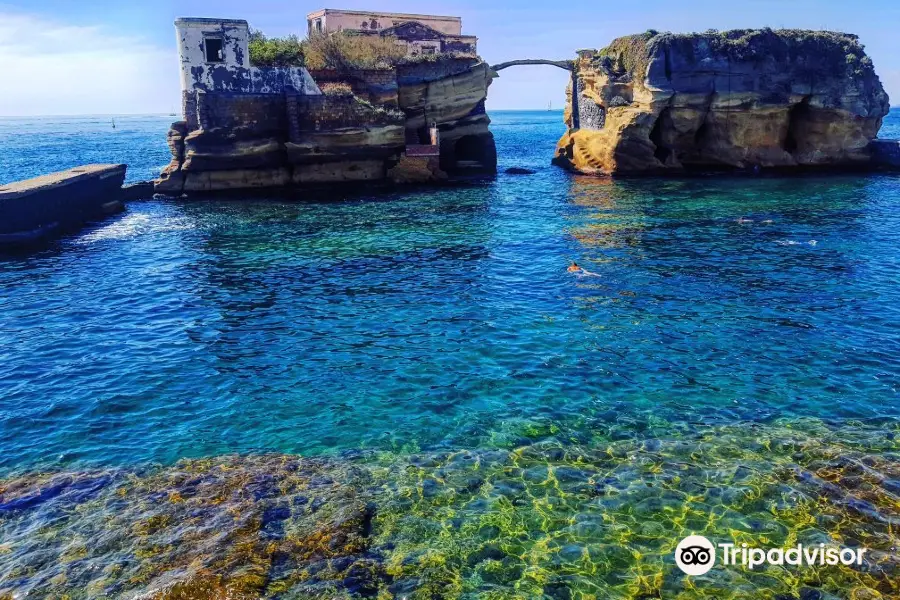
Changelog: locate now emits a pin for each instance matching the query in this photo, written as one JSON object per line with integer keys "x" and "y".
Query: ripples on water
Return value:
{"x": 729, "y": 315}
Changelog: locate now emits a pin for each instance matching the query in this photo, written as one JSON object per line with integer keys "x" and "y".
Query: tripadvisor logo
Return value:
{"x": 696, "y": 555}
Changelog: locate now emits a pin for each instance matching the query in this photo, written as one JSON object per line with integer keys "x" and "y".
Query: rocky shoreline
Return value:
{"x": 541, "y": 518}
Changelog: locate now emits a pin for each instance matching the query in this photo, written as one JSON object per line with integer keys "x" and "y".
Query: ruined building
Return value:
{"x": 420, "y": 34}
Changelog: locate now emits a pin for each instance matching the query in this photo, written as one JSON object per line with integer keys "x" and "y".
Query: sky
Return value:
{"x": 59, "y": 57}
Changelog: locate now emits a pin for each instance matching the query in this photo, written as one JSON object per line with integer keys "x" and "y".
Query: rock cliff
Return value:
{"x": 243, "y": 141}
{"x": 662, "y": 102}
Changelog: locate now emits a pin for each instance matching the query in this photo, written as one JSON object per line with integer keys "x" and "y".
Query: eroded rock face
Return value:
{"x": 273, "y": 141}
{"x": 451, "y": 94}
{"x": 731, "y": 100}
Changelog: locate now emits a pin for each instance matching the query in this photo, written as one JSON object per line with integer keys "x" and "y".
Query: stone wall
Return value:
{"x": 378, "y": 86}
{"x": 231, "y": 71}
{"x": 44, "y": 206}
{"x": 318, "y": 113}
{"x": 261, "y": 113}
{"x": 591, "y": 116}
{"x": 426, "y": 71}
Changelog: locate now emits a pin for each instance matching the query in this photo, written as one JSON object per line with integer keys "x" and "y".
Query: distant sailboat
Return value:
{"x": 114, "y": 123}
{"x": 549, "y": 106}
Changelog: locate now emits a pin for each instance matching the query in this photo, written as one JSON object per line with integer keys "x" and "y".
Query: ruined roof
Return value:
{"x": 209, "y": 21}
{"x": 407, "y": 16}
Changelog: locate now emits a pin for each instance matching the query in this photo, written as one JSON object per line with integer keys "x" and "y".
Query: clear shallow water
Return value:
{"x": 446, "y": 318}
{"x": 734, "y": 324}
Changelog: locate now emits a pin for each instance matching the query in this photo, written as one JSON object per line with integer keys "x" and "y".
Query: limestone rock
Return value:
{"x": 346, "y": 143}
{"x": 170, "y": 181}
{"x": 451, "y": 94}
{"x": 236, "y": 179}
{"x": 342, "y": 171}
{"x": 216, "y": 150}
{"x": 416, "y": 169}
{"x": 256, "y": 142}
{"x": 730, "y": 100}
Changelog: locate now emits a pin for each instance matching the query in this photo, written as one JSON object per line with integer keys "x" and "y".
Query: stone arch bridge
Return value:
{"x": 568, "y": 65}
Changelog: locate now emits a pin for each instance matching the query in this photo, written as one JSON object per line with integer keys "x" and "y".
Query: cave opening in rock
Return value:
{"x": 656, "y": 136}
{"x": 797, "y": 116}
{"x": 470, "y": 152}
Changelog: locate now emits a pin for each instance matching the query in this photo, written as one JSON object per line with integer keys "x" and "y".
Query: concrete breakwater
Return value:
{"x": 38, "y": 208}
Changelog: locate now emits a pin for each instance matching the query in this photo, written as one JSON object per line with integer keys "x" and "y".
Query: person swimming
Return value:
{"x": 574, "y": 268}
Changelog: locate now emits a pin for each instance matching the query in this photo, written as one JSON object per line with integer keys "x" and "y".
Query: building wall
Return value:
{"x": 337, "y": 20}
{"x": 233, "y": 73}
{"x": 195, "y": 70}
{"x": 328, "y": 113}
{"x": 261, "y": 113}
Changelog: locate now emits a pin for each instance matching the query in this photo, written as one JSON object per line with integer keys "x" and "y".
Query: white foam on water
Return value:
{"x": 135, "y": 224}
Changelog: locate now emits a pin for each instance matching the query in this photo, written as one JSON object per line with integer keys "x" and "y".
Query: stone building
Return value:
{"x": 420, "y": 34}
{"x": 213, "y": 56}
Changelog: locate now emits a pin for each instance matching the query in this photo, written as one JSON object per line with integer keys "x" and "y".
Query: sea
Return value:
{"x": 180, "y": 384}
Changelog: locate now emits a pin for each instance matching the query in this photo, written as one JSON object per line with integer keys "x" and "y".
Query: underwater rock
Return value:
{"x": 372, "y": 525}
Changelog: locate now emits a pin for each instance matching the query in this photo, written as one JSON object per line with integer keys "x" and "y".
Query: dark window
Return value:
{"x": 319, "y": 25}
{"x": 308, "y": 26}
{"x": 215, "y": 49}
{"x": 428, "y": 50}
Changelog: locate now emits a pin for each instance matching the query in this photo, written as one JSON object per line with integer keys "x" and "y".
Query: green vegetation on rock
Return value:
{"x": 343, "y": 51}
{"x": 275, "y": 52}
{"x": 821, "y": 51}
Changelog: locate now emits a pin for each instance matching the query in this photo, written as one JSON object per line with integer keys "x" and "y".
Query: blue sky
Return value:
{"x": 110, "y": 56}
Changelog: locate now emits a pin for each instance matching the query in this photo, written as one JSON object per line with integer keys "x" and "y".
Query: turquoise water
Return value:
{"x": 727, "y": 316}
{"x": 442, "y": 318}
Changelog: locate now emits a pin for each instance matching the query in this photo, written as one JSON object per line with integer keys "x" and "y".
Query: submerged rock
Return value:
{"x": 662, "y": 102}
{"x": 525, "y": 523}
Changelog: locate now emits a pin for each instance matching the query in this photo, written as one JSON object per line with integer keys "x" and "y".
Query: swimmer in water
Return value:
{"x": 574, "y": 268}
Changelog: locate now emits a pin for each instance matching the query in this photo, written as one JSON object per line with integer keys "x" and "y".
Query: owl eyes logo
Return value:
{"x": 695, "y": 555}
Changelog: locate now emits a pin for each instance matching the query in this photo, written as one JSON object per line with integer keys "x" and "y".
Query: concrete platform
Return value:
{"x": 38, "y": 208}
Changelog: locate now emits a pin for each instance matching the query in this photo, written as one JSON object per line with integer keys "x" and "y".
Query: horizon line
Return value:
{"x": 168, "y": 114}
